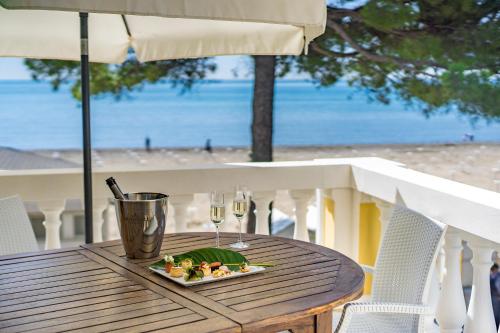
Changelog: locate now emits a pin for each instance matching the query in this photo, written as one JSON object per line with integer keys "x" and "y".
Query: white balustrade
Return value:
{"x": 229, "y": 220}
{"x": 346, "y": 217}
{"x": 301, "y": 199}
{"x": 451, "y": 307}
{"x": 52, "y": 211}
{"x": 98, "y": 208}
{"x": 262, "y": 201}
{"x": 110, "y": 228}
{"x": 480, "y": 316}
{"x": 181, "y": 204}
{"x": 68, "y": 225}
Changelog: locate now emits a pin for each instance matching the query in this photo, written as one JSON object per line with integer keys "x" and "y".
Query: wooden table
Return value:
{"x": 96, "y": 289}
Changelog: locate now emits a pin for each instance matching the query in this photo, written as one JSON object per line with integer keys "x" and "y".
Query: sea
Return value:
{"x": 33, "y": 116}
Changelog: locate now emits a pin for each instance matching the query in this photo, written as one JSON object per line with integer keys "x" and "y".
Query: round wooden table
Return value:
{"x": 298, "y": 293}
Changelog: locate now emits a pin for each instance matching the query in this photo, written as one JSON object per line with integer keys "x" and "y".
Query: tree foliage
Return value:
{"x": 119, "y": 80}
{"x": 434, "y": 54}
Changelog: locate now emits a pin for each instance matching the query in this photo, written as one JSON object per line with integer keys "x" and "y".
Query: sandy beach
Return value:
{"x": 473, "y": 164}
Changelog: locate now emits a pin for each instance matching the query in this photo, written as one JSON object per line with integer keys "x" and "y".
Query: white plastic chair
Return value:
{"x": 401, "y": 278}
{"x": 16, "y": 233}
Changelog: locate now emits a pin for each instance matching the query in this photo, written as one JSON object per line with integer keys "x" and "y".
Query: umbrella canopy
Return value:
{"x": 104, "y": 31}
{"x": 159, "y": 29}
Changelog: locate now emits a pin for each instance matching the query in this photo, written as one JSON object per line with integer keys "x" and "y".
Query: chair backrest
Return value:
{"x": 16, "y": 233}
{"x": 406, "y": 260}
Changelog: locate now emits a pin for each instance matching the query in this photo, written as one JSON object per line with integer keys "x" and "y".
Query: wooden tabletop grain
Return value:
{"x": 95, "y": 288}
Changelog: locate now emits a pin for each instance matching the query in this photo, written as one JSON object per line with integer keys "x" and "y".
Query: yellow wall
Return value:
{"x": 369, "y": 234}
{"x": 329, "y": 235}
{"x": 369, "y": 238}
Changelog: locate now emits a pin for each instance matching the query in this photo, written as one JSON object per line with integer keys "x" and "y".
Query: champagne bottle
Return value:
{"x": 113, "y": 186}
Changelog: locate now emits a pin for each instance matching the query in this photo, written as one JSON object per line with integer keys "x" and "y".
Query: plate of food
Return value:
{"x": 205, "y": 266}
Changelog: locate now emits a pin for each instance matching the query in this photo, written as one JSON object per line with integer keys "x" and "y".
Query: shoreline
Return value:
{"x": 276, "y": 147}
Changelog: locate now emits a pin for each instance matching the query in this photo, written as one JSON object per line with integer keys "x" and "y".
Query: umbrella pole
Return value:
{"x": 87, "y": 157}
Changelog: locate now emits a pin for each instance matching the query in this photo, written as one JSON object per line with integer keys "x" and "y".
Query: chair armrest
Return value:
{"x": 367, "y": 269}
{"x": 378, "y": 307}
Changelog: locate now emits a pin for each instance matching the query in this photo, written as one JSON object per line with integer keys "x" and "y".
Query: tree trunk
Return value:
{"x": 263, "y": 97}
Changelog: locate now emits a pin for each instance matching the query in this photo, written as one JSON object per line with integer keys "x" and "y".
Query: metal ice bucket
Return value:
{"x": 141, "y": 219}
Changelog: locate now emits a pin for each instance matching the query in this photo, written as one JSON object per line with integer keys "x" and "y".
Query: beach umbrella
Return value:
{"x": 105, "y": 31}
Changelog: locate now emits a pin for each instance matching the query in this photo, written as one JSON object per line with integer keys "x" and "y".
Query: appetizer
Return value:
{"x": 176, "y": 271}
{"x": 215, "y": 265}
{"x": 169, "y": 263}
{"x": 244, "y": 268}
{"x": 192, "y": 274}
{"x": 205, "y": 268}
{"x": 187, "y": 263}
{"x": 221, "y": 272}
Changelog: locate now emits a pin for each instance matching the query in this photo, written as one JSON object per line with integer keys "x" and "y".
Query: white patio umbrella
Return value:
{"x": 104, "y": 31}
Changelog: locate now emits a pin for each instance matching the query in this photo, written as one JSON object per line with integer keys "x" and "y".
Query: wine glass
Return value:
{"x": 240, "y": 209}
{"x": 217, "y": 211}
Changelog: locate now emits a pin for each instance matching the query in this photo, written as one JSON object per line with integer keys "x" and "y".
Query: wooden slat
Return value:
{"x": 64, "y": 292}
{"x": 48, "y": 285}
{"x": 146, "y": 322}
{"x": 284, "y": 290}
{"x": 174, "y": 323}
{"x": 69, "y": 298}
{"x": 41, "y": 256}
{"x": 74, "y": 288}
{"x": 50, "y": 271}
{"x": 219, "y": 325}
{"x": 282, "y": 297}
{"x": 34, "y": 255}
{"x": 28, "y": 266}
{"x": 74, "y": 303}
{"x": 63, "y": 315}
{"x": 96, "y": 312}
{"x": 52, "y": 279}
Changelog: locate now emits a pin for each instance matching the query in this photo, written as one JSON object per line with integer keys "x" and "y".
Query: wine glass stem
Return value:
{"x": 217, "y": 238}
{"x": 240, "y": 238}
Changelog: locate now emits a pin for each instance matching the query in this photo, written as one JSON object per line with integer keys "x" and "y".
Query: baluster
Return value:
{"x": 262, "y": 200}
{"x": 321, "y": 236}
{"x": 451, "y": 312}
{"x": 229, "y": 220}
{"x": 480, "y": 316}
{"x": 99, "y": 205}
{"x": 345, "y": 216}
{"x": 181, "y": 204}
{"x": 68, "y": 225}
{"x": 301, "y": 199}
{"x": 110, "y": 227}
{"x": 52, "y": 211}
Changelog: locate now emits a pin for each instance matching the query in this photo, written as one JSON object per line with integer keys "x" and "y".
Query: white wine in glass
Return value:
{"x": 240, "y": 209}
{"x": 217, "y": 212}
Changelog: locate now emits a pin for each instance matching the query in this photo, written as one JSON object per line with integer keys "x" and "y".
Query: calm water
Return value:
{"x": 34, "y": 117}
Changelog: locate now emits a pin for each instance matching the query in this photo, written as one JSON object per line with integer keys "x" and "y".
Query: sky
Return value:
{"x": 14, "y": 69}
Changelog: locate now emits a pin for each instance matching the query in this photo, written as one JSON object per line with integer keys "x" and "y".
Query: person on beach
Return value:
{"x": 147, "y": 144}
{"x": 495, "y": 291}
{"x": 208, "y": 146}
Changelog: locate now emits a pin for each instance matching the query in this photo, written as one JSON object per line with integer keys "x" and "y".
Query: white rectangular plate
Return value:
{"x": 180, "y": 280}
